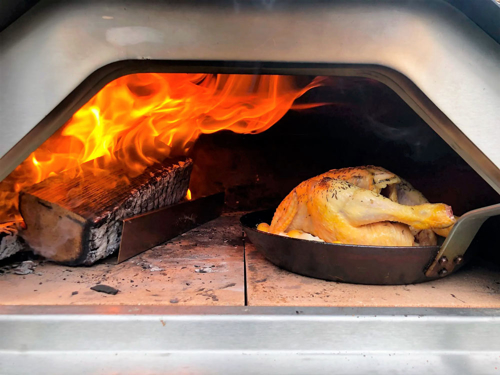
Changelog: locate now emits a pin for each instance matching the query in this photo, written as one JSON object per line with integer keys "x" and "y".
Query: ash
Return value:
{"x": 23, "y": 268}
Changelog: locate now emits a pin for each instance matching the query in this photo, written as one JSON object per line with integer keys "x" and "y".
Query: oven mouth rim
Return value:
{"x": 393, "y": 79}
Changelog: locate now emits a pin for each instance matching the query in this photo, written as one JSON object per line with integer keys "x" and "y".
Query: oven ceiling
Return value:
{"x": 56, "y": 45}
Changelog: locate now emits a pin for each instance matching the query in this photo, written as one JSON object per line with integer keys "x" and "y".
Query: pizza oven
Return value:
{"x": 135, "y": 135}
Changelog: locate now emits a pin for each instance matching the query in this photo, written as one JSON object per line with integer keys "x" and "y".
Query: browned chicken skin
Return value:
{"x": 367, "y": 177}
{"x": 345, "y": 206}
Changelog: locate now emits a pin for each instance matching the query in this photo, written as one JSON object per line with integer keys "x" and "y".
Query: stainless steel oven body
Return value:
{"x": 445, "y": 65}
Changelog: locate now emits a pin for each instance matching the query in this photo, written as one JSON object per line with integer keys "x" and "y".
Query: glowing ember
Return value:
{"x": 141, "y": 119}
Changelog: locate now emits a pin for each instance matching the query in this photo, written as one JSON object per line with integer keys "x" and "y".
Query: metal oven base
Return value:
{"x": 247, "y": 340}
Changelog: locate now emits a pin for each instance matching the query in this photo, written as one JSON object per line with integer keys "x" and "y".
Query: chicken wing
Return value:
{"x": 336, "y": 210}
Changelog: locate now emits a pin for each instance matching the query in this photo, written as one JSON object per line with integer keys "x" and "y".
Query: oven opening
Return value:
{"x": 173, "y": 143}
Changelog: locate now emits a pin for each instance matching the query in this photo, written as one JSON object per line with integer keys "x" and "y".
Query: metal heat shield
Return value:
{"x": 142, "y": 232}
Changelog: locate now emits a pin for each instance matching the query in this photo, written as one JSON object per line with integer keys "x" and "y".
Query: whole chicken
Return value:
{"x": 346, "y": 206}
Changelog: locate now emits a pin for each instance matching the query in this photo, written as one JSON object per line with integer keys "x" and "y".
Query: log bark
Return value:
{"x": 78, "y": 221}
{"x": 10, "y": 242}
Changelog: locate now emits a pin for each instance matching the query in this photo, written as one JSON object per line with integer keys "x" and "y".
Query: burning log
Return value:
{"x": 77, "y": 221}
{"x": 10, "y": 242}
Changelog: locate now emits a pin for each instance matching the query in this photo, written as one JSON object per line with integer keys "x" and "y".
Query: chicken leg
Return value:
{"x": 396, "y": 189}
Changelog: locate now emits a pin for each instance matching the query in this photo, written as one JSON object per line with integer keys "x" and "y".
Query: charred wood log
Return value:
{"x": 77, "y": 221}
{"x": 10, "y": 242}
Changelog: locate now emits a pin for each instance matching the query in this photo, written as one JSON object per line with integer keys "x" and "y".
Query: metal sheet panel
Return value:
{"x": 248, "y": 340}
{"x": 142, "y": 232}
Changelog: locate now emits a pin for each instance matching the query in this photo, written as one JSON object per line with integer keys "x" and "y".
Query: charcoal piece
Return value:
{"x": 101, "y": 288}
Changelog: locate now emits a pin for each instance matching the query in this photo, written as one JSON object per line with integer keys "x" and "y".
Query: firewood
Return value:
{"x": 78, "y": 221}
{"x": 10, "y": 242}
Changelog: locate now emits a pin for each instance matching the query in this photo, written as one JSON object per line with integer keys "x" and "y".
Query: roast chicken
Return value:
{"x": 363, "y": 206}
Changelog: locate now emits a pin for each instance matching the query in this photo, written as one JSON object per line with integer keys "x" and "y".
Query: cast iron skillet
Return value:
{"x": 379, "y": 265}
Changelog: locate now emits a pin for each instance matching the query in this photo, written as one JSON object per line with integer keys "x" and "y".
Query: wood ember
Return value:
{"x": 10, "y": 242}
{"x": 101, "y": 288}
{"x": 78, "y": 221}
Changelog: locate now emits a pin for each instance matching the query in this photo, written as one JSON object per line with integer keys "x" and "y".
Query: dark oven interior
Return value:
{"x": 363, "y": 123}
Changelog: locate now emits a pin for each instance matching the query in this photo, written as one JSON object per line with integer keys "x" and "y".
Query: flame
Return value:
{"x": 141, "y": 119}
{"x": 188, "y": 195}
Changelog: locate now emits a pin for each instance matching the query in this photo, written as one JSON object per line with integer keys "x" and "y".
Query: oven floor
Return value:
{"x": 212, "y": 265}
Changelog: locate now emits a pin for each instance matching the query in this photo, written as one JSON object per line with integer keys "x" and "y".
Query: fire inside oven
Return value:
{"x": 147, "y": 141}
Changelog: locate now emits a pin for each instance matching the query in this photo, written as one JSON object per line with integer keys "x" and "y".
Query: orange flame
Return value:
{"x": 188, "y": 195}
{"x": 141, "y": 119}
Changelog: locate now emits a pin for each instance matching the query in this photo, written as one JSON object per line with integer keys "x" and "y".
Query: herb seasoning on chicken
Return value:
{"x": 346, "y": 206}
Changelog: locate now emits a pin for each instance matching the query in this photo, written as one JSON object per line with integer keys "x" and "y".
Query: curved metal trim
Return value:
{"x": 296, "y": 313}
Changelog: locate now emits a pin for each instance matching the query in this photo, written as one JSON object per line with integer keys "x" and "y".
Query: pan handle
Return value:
{"x": 456, "y": 244}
